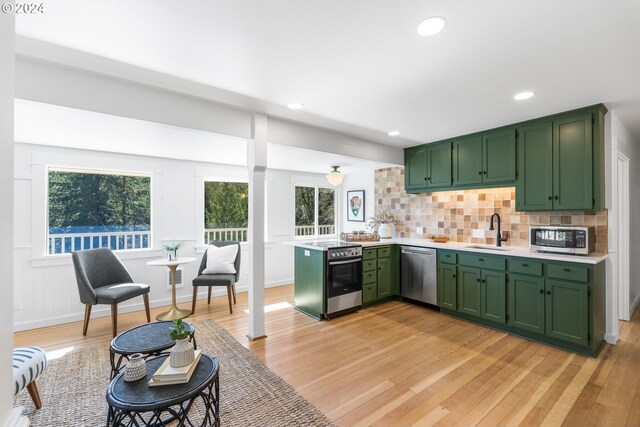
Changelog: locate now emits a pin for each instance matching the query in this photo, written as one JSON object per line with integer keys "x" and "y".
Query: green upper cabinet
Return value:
{"x": 428, "y": 167}
{"x": 415, "y": 172}
{"x": 560, "y": 162}
{"x": 439, "y": 165}
{"x": 485, "y": 160}
{"x": 467, "y": 161}
{"x": 573, "y": 163}
{"x": 499, "y": 156}
{"x": 534, "y": 189}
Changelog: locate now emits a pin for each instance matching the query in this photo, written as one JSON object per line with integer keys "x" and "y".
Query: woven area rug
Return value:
{"x": 73, "y": 388}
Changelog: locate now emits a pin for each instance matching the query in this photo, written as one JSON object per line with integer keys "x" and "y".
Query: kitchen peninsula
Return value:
{"x": 552, "y": 298}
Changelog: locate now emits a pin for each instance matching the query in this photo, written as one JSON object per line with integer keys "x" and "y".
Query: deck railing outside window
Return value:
{"x": 64, "y": 243}
{"x": 310, "y": 230}
{"x": 225, "y": 234}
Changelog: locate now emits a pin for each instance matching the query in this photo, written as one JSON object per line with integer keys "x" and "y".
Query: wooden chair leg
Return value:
{"x": 193, "y": 300}
{"x": 229, "y": 293}
{"x": 87, "y": 315}
{"x": 233, "y": 288}
{"x": 209, "y": 297}
{"x": 145, "y": 297}
{"x": 33, "y": 392}
{"x": 114, "y": 319}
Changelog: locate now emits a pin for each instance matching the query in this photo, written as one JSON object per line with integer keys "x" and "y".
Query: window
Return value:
{"x": 226, "y": 211}
{"x": 88, "y": 210}
{"x": 315, "y": 211}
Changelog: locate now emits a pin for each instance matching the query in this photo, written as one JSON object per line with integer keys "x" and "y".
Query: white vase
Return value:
{"x": 182, "y": 353}
{"x": 384, "y": 230}
{"x": 136, "y": 368}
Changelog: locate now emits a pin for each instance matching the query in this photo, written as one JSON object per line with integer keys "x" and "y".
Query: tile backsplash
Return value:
{"x": 456, "y": 213}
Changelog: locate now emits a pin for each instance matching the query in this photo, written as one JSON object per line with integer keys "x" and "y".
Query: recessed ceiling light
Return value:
{"x": 394, "y": 133}
{"x": 431, "y": 26}
{"x": 523, "y": 95}
{"x": 295, "y": 106}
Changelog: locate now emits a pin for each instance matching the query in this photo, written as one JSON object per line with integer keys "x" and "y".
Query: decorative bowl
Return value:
{"x": 439, "y": 239}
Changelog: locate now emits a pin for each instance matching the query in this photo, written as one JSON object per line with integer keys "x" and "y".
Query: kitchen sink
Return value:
{"x": 489, "y": 248}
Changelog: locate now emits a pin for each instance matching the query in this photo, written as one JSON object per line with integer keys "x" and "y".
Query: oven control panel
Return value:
{"x": 349, "y": 252}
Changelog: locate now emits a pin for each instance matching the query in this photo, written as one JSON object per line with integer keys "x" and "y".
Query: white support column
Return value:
{"x": 7, "y": 78}
{"x": 257, "y": 165}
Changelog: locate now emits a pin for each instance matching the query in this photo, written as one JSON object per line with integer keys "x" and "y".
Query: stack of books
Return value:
{"x": 166, "y": 375}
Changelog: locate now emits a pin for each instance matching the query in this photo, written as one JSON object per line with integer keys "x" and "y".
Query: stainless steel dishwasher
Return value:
{"x": 419, "y": 274}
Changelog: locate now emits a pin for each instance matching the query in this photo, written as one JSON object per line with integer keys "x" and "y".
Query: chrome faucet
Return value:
{"x": 499, "y": 238}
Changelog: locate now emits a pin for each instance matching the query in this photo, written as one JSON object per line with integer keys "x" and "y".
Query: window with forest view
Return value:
{"x": 226, "y": 211}
{"x": 315, "y": 211}
{"x": 88, "y": 210}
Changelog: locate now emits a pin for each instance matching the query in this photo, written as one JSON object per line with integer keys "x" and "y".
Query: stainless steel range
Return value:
{"x": 344, "y": 277}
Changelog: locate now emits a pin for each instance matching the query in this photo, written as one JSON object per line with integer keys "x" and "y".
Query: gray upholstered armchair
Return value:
{"x": 228, "y": 280}
{"x": 103, "y": 279}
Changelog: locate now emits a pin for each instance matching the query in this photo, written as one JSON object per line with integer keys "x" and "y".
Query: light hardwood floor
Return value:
{"x": 398, "y": 364}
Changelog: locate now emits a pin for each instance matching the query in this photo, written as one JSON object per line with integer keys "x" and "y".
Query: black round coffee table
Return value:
{"x": 150, "y": 339}
{"x": 195, "y": 403}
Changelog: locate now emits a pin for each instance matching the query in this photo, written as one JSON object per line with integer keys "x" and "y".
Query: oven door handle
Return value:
{"x": 344, "y": 262}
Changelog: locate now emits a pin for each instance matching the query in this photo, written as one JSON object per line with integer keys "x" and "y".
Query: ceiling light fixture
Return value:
{"x": 335, "y": 177}
{"x": 295, "y": 106}
{"x": 431, "y": 26}
{"x": 523, "y": 95}
{"x": 394, "y": 133}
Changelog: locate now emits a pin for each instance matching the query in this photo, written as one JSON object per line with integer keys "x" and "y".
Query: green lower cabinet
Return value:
{"x": 447, "y": 286}
{"x": 385, "y": 277}
{"x": 526, "y": 303}
{"x": 369, "y": 293}
{"x": 567, "y": 311}
{"x": 309, "y": 282}
{"x": 469, "y": 293}
{"x": 494, "y": 296}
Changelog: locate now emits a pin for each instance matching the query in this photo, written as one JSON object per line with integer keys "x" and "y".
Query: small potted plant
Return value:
{"x": 172, "y": 249}
{"x": 383, "y": 223}
{"x": 182, "y": 353}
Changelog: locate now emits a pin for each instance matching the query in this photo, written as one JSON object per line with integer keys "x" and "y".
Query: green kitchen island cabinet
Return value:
{"x": 556, "y": 302}
{"x": 309, "y": 289}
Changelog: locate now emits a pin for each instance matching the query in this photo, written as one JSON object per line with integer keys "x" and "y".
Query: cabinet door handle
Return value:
{"x": 567, "y": 269}
{"x": 550, "y": 197}
{"x": 480, "y": 259}
{"x": 479, "y": 172}
{"x": 542, "y": 291}
{"x": 485, "y": 172}
{"x": 454, "y": 276}
{"x": 484, "y": 281}
{"x": 548, "y": 292}
{"x": 478, "y": 280}
{"x": 425, "y": 178}
{"x": 525, "y": 265}
{"x": 555, "y": 197}
{"x": 429, "y": 178}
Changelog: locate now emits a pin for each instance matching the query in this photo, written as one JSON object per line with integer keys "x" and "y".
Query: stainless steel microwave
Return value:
{"x": 568, "y": 240}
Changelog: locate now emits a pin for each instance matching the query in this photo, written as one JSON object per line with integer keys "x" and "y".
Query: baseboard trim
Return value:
{"x": 105, "y": 310}
{"x": 611, "y": 339}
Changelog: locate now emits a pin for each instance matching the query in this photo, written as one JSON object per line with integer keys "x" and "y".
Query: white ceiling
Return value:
{"x": 361, "y": 62}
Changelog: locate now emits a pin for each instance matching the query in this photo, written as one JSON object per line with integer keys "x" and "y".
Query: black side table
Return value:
{"x": 137, "y": 404}
{"x": 150, "y": 339}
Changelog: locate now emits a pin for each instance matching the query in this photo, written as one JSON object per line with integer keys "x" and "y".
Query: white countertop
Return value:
{"x": 517, "y": 251}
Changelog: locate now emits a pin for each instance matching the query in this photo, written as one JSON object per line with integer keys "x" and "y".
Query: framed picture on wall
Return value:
{"x": 355, "y": 205}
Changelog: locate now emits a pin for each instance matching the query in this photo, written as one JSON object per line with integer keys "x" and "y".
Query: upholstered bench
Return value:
{"x": 28, "y": 364}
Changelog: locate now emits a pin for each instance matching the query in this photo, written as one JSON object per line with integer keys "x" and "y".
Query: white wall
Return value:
{"x": 7, "y": 77}
{"x": 363, "y": 180}
{"x": 618, "y": 139}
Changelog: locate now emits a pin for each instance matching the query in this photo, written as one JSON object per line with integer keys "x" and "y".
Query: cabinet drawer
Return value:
{"x": 369, "y": 277}
{"x": 369, "y": 293}
{"x": 369, "y": 265}
{"x": 482, "y": 261}
{"x": 525, "y": 266}
{"x": 448, "y": 257}
{"x": 384, "y": 252}
{"x": 369, "y": 254}
{"x": 568, "y": 272}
